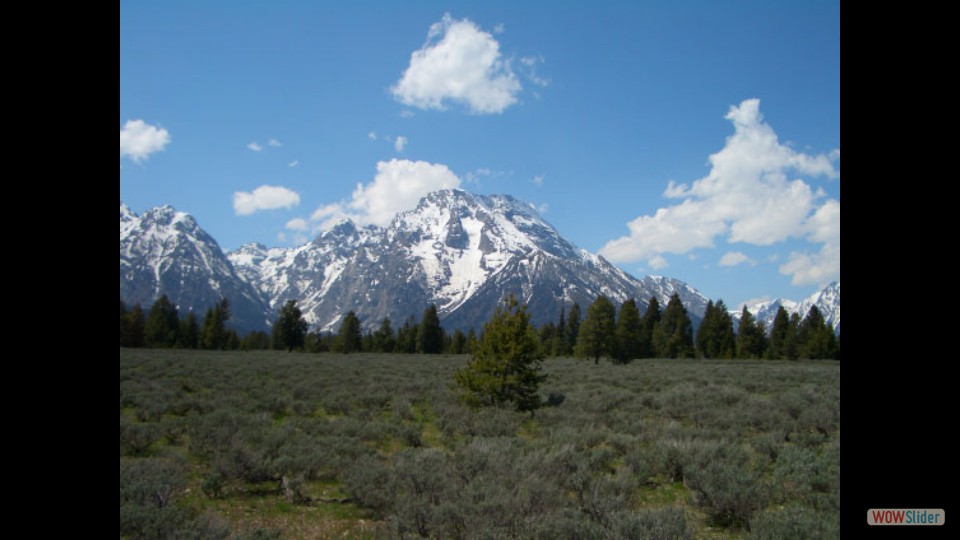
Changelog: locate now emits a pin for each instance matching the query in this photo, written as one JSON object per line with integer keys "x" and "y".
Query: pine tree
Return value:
{"x": 231, "y": 341}
{"x": 505, "y": 367}
{"x": 458, "y": 345}
{"x": 750, "y": 339}
{"x": 547, "y": 333}
{"x": 206, "y": 341}
{"x": 815, "y": 337}
{"x": 560, "y": 341}
{"x": 350, "y": 337}
{"x": 189, "y": 331}
{"x": 673, "y": 335}
{"x": 214, "y": 329}
{"x": 715, "y": 337}
{"x": 133, "y": 328}
{"x": 163, "y": 324}
{"x": 383, "y": 340}
{"x": 704, "y": 333}
{"x": 573, "y": 329}
{"x": 783, "y": 336}
{"x": 407, "y": 337}
{"x": 597, "y": 332}
{"x": 290, "y": 328}
{"x": 430, "y": 335}
{"x": 255, "y": 341}
{"x": 793, "y": 344}
{"x": 366, "y": 342}
{"x": 650, "y": 319}
{"x": 471, "y": 341}
{"x": 629, "y": 332}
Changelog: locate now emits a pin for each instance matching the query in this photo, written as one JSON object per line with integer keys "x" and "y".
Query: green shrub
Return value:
{"x": 725, "y": 486}
{"x": 794, "y": 523}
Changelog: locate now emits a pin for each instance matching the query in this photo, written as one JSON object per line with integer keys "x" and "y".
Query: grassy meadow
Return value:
{"x": 271, "y": 444}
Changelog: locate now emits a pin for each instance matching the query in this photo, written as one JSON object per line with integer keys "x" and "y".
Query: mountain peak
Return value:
{"x": 460, "y": 251}
{"x": 827, "y": 301}
{"x": 164, "y": 251}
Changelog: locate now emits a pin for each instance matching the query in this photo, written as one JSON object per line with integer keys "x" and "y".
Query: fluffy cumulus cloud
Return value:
{"x": 658, "y": 262}
{"x": 398, "y": 186}
{"x": 400, "y": 143}
{"x": 459, "y": 63}
{"x": 297, "y": 224}
{"x": 733, "y": 258}
{"x": 747, "y": 197}
{"x": 818, "y": 267}
{"x": 139, "y": 139}
{"x": 264, "y": 198}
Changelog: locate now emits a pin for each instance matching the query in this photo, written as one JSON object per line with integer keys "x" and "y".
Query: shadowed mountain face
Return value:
{"x": 460, "y": 251}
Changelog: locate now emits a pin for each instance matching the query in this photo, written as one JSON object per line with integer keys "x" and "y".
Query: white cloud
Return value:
{"x": 657, "y": 262}
{"x": 328, "y": 215}
{"x": 255, "y": 146}
{"x": 746, "y": 197}
{"x": 139, "y": 139}
{"x": 297, "y": 224}
{"x": 733, "y": 258}
{"x": 264, "y": 198}
{"x": 398, "y": 186}
{"x": 372, "y": 135}
{"x": 275, "y": 143}
{"x": 400, "y": 143}
{"x": 538, "y": 179}
{"x": 293, "y": 163}
{"x": 460, "y": 63}
{"x": 823, "y": 266}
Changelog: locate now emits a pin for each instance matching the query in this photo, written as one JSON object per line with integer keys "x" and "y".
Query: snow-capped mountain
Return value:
{"x": 460, "y": 251}
{"x": 164, "y": 251}
{"x": 827, "y": 301}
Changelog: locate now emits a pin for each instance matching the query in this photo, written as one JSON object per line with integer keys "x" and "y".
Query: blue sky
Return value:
{"x": 697, "y": 140}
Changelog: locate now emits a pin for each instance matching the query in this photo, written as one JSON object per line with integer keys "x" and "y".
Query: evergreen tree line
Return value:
{"x": 162, "y": 327}
{"x": 602, "y": 332}
{"x": 424, "y": 337}
{"x": 669, "y": 334}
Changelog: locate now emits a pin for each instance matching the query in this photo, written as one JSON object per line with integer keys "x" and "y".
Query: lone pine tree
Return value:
{"x": 505, "y": 367}
{"x": 290, "y": 329}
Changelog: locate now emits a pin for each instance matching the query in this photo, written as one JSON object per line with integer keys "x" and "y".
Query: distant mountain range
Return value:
{"x": 460, "y": 251}
{"x": 827, "y": 301}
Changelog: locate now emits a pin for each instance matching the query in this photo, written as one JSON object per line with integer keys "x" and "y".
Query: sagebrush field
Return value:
{"x": 271, "y": 444}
